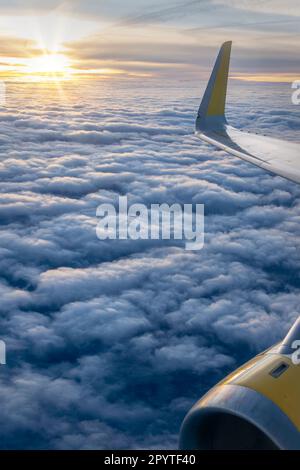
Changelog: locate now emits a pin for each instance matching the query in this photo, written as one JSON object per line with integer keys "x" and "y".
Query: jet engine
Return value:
{"x": 256, "y": 407}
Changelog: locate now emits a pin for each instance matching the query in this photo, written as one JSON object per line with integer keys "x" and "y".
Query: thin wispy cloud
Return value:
{"x": 111, "y": 38}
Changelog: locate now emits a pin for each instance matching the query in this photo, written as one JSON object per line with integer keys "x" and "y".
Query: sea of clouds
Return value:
{"x": 109, "y": 343}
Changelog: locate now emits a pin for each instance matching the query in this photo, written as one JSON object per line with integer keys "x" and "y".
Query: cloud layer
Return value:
{"x": 109, "y": 343}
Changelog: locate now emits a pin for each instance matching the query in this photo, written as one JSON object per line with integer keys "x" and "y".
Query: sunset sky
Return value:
{"x": 148, "y": 38}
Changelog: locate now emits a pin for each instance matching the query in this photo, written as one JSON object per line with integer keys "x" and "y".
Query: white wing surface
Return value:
{"x": 275, "y": 155}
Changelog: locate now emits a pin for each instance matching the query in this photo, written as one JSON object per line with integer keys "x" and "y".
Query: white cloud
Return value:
{"x": 289, "y": 7}
{"x": 109, "y": 343}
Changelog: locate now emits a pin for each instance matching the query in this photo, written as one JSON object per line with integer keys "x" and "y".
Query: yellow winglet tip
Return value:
{"x": 227, "y": 44}
{"x": 212, "y": 107}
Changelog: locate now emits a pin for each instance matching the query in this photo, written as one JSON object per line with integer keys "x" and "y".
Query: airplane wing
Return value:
{"x": 275, "y": 155}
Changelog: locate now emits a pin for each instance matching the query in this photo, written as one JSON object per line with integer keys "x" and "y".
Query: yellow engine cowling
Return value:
{"x": 255, "y": 407}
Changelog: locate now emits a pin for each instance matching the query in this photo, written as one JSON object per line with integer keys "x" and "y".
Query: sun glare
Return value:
{"x": 49, "y": 65}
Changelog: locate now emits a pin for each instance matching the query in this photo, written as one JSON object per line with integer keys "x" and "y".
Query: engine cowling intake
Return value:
{"x": 256, "y": 407}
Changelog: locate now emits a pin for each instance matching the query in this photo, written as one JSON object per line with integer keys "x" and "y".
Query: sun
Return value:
{"x": 49, "y": 65}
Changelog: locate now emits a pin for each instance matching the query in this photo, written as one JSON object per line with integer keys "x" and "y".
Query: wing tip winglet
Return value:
{"x": 212, "y": 108}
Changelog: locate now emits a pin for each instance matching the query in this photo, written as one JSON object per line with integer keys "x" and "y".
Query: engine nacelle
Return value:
{"x": 255, "y": 407}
